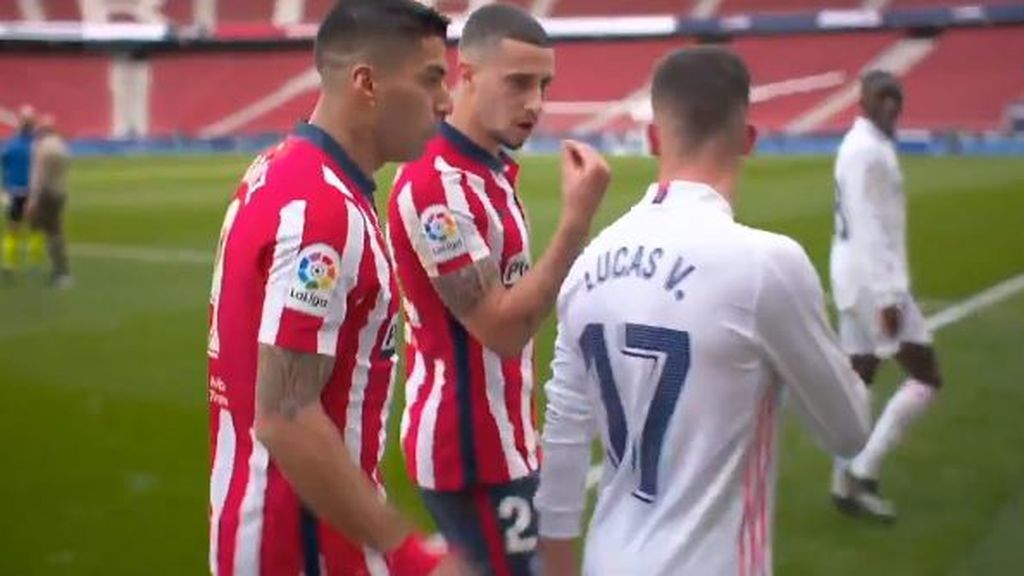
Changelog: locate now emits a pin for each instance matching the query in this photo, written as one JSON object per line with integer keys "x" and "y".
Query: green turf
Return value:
{"x": 103, "y": 396}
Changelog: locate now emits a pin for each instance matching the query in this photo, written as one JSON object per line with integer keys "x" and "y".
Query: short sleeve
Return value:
{"x": 315, "y": 264}
{"x": 434, "y": 214}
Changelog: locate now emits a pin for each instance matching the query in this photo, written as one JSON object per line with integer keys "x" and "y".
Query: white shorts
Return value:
{"x": 860, "y": 328}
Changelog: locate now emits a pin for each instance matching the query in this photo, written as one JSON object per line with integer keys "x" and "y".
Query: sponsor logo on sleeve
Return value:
{"x": 442, "y": 234}
{"x": 315, "y": 279}
{"x": 515, "y": 268}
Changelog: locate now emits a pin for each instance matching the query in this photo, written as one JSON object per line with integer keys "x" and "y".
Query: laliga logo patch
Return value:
{"x": 315, "y": 278}
{"x": 442, "y": 233}
{"x": 318, "y": 271}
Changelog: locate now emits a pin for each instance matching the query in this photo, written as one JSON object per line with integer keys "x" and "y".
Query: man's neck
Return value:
{"x": 463, "y": 121}
{"x": 871, "y": 122}
{"x": 723, "y": 180}
{"x": 332, "y": 120}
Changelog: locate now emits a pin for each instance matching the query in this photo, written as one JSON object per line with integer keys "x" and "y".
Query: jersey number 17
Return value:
{"x": 649, "y": 343}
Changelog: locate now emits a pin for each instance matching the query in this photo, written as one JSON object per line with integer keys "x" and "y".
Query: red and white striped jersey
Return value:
{"x": 302, "y": 265}
{"x": 469, "y": 416}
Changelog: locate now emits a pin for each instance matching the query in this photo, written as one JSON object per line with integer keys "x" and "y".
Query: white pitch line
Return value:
{"x": 976, "y": 303}
{"x": 946, "y": 317}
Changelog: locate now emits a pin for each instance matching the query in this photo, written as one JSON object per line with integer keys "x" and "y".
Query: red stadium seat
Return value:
{"x": 61, "y": 10}
{"x": 10, "y": 11}
{"x": 42, "y": 80}
{"x": 802, "y": 59}
{"x": 600, "y": 72}
{"x": 729, "y": 7}
{"x": 245, "y": 10}
{"x": 230, "y": 82}
{"x": 618, "y": 8}
{"x": 966, "y": 83}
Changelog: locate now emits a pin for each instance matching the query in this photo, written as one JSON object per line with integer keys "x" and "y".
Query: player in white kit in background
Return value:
{"x": 679, "y": 333}
{"x": 878, "y": 317}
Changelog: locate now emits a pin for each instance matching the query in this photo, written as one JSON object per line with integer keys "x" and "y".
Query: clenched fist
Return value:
{"x": 585, "y": 178}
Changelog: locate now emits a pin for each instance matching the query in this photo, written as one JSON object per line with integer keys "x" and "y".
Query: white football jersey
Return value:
{"x": 678, "y": 332}
{"x": 869, "y": 252}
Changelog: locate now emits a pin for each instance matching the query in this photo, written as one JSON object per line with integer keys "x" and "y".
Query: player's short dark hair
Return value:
{"x": 880, "y": 81}
{"x": 489, "y": 25}
{"x": 375, "y": 26}
{"x": 705, "y": 92}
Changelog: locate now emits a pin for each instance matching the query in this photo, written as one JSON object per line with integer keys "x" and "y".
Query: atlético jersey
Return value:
{"x": 678, "y": 332}
{"x": 469, "y": 416}
{"x": 302, "y": 265}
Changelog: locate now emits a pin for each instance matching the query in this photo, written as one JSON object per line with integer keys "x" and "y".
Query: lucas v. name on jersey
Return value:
{"x": 639, "y": 262}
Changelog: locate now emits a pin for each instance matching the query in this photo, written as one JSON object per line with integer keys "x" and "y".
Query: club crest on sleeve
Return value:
{"x": 315, "y": 277}
{"x": 442, "y": 233}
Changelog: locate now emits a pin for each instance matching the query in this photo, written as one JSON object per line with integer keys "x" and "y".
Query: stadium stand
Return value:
{"x": 615, "y": 7}
{"x": 803, "y": 83}
{"x": 179, "y": 13}
{"x": 587, "y": 85}
{"x": 937, "y": 3}
{"x": 62, "y": 10}
{"x": 314, "y": 10}
{"x": 982, "y": 68}
{"x": 230, "y": 83}
{"x": 792, "y": 74}
{"x": 10, "y": 11}
{"x": 762, "y": 6}
{"x": 43, "y": 81}
{"x": 245, "y": 10}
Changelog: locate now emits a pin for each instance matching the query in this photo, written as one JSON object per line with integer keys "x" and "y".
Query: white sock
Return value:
{"x": 840, "y": 484}
{"x": 902, "y": 410}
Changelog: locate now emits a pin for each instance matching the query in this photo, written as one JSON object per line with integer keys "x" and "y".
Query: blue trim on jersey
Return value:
{"x": 310, "y": 538}
{"x": 322, "y": 140}
{"x": 471, "y": 149}
{"x": 464, "y": 399}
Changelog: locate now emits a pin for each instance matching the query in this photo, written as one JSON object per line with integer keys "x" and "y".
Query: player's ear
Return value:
{"x": 362, "y": 80}
{"x": 748, "y": 146}
{"x": 653, "y": 140}
{"x": 464, "y": 72}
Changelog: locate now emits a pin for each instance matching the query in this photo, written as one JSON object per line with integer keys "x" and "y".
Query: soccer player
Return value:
{"x": 679, "y": 331}
{"x": 17, "y": 162}
{"x": 303, "y": 305}
{"x": 878, "y": 317}
{"x": 48, "y": 195}
{"x": 472, "y": 301}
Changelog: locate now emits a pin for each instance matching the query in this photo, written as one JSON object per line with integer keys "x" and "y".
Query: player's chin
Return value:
{"x": 514, "y": 142}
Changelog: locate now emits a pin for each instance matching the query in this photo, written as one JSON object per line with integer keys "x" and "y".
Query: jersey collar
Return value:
{"x": 322, "y": 140}
{"x": 471, "y": 149}
{"x": 684, "y": 191}
{"x": 868, "y": 127}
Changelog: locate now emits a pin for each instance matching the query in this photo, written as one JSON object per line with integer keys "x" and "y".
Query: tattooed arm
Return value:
{"x": 308, "y": 448}
{"x": 505, "y": 319}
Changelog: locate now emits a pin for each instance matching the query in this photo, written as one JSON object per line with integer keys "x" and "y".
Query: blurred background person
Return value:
{"x": 48, "y": 194}
{"x": 16, "y": 160}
